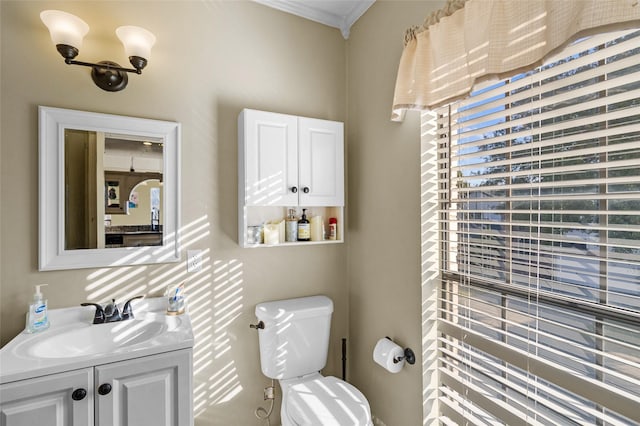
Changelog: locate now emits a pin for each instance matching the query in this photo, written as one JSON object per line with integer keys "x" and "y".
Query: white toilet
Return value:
{"x": 293, "y": 349}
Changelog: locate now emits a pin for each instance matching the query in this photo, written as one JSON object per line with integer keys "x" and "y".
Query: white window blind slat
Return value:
{"x": 514, "y": 394}
{"x": 516, "y": 381}
{"x": 569, "y": 62}
{"x": 539, "y": 186}
{"x": 520, "y": 115}
{"x": 576, "y": 364}
{"x": 536, "y": 158}
{"x": 588, "y": 167}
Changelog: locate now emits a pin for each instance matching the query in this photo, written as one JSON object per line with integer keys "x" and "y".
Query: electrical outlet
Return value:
{"x": 194, "y": 260}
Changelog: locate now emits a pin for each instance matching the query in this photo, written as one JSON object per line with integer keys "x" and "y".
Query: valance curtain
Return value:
{"x": 469, "y": 41}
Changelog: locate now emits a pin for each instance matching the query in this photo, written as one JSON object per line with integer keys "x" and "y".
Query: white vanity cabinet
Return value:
{"x": 48, "y": 400}
{"x": 288, "y": 161}
{"x": 150, "y": 390}
{"x": 154, "y": 390}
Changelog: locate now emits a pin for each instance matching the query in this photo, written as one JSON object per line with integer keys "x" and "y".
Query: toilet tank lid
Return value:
{"x": 300, "y": 307}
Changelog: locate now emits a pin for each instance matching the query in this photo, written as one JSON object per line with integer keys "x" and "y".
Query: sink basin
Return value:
{"x": 93, "y": 339}
{"x": 72, "y": 340}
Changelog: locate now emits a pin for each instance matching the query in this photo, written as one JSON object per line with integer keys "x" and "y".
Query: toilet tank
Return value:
{"x": 295, "y": 337}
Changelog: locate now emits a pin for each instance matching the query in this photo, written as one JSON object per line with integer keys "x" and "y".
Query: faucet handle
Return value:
{"x": 99, "y": 317}
{"x": 127, "y": 311}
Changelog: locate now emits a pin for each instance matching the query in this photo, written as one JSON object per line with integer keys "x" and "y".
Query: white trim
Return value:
{"x": 322, "y": 11}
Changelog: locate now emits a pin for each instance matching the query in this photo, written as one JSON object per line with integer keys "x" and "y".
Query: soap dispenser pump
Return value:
{"x": 37, "y": 317}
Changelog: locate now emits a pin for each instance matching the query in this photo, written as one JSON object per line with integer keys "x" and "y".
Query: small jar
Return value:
{"x": 254, "y": 234}
{"x": 333, "y": 228}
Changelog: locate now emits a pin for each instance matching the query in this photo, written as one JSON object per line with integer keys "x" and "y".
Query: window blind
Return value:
{"x": 539, "y": 221}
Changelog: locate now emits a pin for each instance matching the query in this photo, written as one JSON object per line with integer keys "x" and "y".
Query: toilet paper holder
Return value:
{"x": 408, "y": 357}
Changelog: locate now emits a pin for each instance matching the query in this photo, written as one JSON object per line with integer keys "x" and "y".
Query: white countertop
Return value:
{"x": 33, "y": 355}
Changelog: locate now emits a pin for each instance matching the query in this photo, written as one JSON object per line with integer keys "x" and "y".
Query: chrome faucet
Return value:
{"x": 111, "y": 313}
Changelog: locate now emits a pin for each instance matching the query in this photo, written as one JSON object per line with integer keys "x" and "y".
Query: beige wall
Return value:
{"x": 211, "y": 60}
{"x": 384, "y": 213}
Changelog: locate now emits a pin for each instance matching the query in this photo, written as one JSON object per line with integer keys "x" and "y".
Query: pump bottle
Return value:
{"x": 37, "y": 317}
{"x": 304, "y": 227}
{"x": 291, "y": 227}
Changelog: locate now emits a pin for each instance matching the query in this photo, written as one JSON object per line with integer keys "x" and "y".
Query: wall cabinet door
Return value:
{"x": 154, "y": 390}
{"x": 52, "y": 400}
{"x": 269, "y": 149}
{"x": 321, "y": 162}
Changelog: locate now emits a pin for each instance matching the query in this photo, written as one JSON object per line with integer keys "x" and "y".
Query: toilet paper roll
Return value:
{"x": 386, "y": 352}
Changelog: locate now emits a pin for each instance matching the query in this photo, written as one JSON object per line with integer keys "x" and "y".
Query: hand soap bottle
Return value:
{"x": 304, "y": 227}
{"x": 291, "y": 227}
{"x": 37, "y": 317}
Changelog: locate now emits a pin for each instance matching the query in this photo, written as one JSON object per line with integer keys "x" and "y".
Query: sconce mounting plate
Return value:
{"x": 107, "y": 76}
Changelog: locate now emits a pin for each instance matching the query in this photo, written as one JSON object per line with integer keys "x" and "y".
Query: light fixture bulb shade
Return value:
{"x": 137, "y": 41}
{"x": 64, "y": 27}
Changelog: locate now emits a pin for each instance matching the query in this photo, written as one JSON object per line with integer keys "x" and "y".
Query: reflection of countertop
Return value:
{"x": 132, "y": 236}
{"x": 132, "y": 232}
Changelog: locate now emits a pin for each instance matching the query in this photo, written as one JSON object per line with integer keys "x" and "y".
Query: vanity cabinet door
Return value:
{"x": 63, "y": 399}
{"x": 153, "y": 390}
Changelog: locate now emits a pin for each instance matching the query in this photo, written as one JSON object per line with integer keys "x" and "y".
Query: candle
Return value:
{"x": 317, "y": 233}
{"x": 271, "y": 234}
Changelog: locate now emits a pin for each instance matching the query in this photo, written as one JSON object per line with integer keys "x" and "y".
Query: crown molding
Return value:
{"x": 336, "y": 14}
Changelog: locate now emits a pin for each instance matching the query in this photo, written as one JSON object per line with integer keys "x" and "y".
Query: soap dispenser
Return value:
{"x": 37, "y": 317}
{"x": 291, "y": 227}
{"x": 304, "y": 227}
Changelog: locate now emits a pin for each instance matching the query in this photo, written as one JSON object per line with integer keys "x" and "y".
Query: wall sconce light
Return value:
{"x": 67, "y": 32}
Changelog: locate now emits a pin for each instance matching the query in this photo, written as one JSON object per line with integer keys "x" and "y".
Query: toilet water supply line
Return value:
{"x": 269, "y": 393}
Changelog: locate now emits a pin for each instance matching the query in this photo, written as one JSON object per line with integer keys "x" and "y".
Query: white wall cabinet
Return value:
{"x": 287, "y": 161}
{"x": 151, "y": 390}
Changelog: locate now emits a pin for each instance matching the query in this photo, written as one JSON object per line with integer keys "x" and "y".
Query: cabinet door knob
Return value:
{"x": 294, "y": 189}
{"x": 305, "y": 190}
{"x": 79, "y": 394}
{"x": 104, "y": 389}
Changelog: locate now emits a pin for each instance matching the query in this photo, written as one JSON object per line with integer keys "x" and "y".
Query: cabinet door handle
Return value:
{"x": 305, "y": 190}
{"x": 79, "y": 394}
{"x": 104, "y": 389}
{"x": 294, "y": 189}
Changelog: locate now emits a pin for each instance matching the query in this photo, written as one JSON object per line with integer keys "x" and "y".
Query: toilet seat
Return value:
{"x": 325, "y": 401}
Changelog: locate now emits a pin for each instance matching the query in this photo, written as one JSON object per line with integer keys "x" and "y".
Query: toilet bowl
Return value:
{"x": 294, "y": 343}
{"x": 319, "y": 400}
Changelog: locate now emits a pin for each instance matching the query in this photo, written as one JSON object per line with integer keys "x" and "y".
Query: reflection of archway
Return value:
{"x": 126, "y": 181}
{"x": 145, "y": 203}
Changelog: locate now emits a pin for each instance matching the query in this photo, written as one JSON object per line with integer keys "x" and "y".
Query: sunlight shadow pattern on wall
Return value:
{"x": 429, "y": 169}
{"x": 125, "y": 282}
{"x": 217, "y": 303}
{"x": 214, "y": 299}
{"x": 266, "y": 191}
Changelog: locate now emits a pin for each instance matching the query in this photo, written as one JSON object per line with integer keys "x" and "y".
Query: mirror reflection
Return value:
{"x": 113, "y": 190}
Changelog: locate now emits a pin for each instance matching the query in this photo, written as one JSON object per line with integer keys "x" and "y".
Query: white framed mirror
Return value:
{"x": 108, "y": 190}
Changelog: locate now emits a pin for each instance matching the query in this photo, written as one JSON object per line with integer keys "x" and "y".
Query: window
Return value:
{"x": 539, "y": 224}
